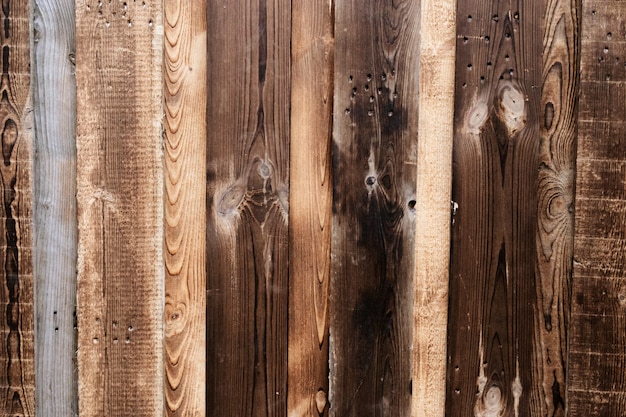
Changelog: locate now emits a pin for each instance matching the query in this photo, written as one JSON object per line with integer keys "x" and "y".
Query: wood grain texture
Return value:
{"x": 17, "y": 373}
{"x": 597, "y": 338}
{"x": 555, "y": 199}
{"x": 493, "y": 256}
{"x": 374, "y": 174}
{"x": 54, "y": 105}
{"x": 432, "y": 211}
{"x": 119, "y": 59}
{"x": 247, "y": 206}
{"x": 185, "y": 207}
{"x": 310, "y": 205}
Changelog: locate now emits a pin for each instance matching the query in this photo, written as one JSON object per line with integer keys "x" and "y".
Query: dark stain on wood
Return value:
{"x": 374, "y": 155}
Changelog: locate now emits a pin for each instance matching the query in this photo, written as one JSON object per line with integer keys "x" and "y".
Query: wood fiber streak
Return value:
{"x": 432, "y": 208}
{"x": 54, "y": 100}
{"x": 597, "y": 336}
{"x": 119, "y": 59}
{"x": 493, "y": 257}
{"x": 247, "y": 207}
{"x": 310, "y": 205}
{"x": 17, "y": 373}
{"x": 555, "y": 203}
{"x": 374, "y": 184}
{"x": 185, "y": 207}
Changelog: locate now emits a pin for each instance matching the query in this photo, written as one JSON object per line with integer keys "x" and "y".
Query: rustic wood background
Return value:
{"x": 313, "y": 208}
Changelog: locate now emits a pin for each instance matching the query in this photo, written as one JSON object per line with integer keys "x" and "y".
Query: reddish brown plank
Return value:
{"x": 247, "y": 206}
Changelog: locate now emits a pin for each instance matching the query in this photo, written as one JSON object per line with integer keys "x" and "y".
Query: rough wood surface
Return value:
{"x": 432, "y": 210}
{"x": 374, "y": 174}
{"x": 555, "y": 199}
{"x": 54, "y": 105}
{"x": 17, "y": 373}
{"x": 185, "y": 207}
{"x": 247, "y": 206}
{"x": 597, "y": 339}
{"x": 493, "y": 256}
{"x": 310, "y": 205}
{"x": 119, "y": 59}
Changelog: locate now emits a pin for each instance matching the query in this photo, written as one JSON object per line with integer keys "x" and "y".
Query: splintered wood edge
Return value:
{"x": 434, "y": 188}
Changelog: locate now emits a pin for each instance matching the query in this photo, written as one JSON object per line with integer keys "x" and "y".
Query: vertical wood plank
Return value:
{"x": 374, "y": 174}
{"x": 493, "y": 256}
{"x": 597, "y": 339}
{"x": 432, "y": 211}
{"x": 185, "y": 207}
{"x": 310, "y": 205}
{"x": 247, "y": 206}
{"x": 17, "y": 373}
{"x": 54, "y": 102}
{"x": 119, "y": 59}
{"x": 555, "y": 198}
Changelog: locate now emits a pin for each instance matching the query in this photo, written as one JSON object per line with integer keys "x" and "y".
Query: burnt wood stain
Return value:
{"x": 374, "y": 157}
{"x": 247, "y": 204}
{"x": 16, "y": 345}
{"x": 493, "y": 261}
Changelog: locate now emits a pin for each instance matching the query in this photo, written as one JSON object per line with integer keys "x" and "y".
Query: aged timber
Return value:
{"x": 185, "y": 207}
{"x": 493, "y": 257}
{"x": 17, "y": 373}
{"x": 374, "y": 174}
{"x": 247, "y": 207}
{"x": 119, "y": 59}
{"x": 310, "y": 205}
{"x": 596, "y": 386}
{"x": 54, "y": 103}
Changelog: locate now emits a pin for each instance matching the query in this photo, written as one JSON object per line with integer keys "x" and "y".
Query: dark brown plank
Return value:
{"x": 185, "y": 206}
{"x": 247, "y": 207}
{"x": 17, "y": 373}
{"x": 374, "y": 175}
{"x": 555, "y": 204}
{"x": 596, "y": 383}
{"x": 54, "y": 105}
{"x": 493, "y": 257}
{"x": 310, "y": 204}
{"x": 119, "y": 59}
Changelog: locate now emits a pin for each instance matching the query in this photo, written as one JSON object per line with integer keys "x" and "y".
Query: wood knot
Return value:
{"x": 477, "y": 118}
{"x": 511, "y": 105}
{"x": 320, "y": 401}
{"x": 229, "y": 201}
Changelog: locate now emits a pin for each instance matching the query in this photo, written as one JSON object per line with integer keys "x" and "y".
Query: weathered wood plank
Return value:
{"x": 597, "y": 340}
{"x": 54, "y": 102}
{"x": 247, "y": 206}
{"x": 310, "y": 205}
{"x": 119, "y": 59}
{"x": 17, "y": 373}
{"x": 374, "y": 175}
{"x": 493, "y": 256}
{"x": 432, "y": 210}
{"x": 555, "y": 204}
{"x": 185, "y": 207}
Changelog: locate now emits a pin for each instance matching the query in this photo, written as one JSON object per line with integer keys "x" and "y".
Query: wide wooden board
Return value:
{"x": 494, "y": 219}
{"x": 17, "y": 372}
{"x": 54, "y": 105}
{"x": 247, "y": 206}
{"x": 374, "y": 173}
{"x": 119, "y": 59}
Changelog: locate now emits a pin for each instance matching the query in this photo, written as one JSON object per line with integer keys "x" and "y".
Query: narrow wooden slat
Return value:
{"x": 432, "y": 211}
{"x": 493, "y": 256}
{"x": 597, "y": 339}
{"x": 185, "y": 207}
{"x": 17, "y": 373}
{"x": 119, "y": 59}
{"x": 247, "y": 206}
{"x": 310, "y": 205}
{"x": 374, "y": 200}
{"x": 555, "y": 198}
{"x": 54, "y": 102}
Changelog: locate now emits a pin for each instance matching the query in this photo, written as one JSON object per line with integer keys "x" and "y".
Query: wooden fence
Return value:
{"x": 313, "y": 208}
